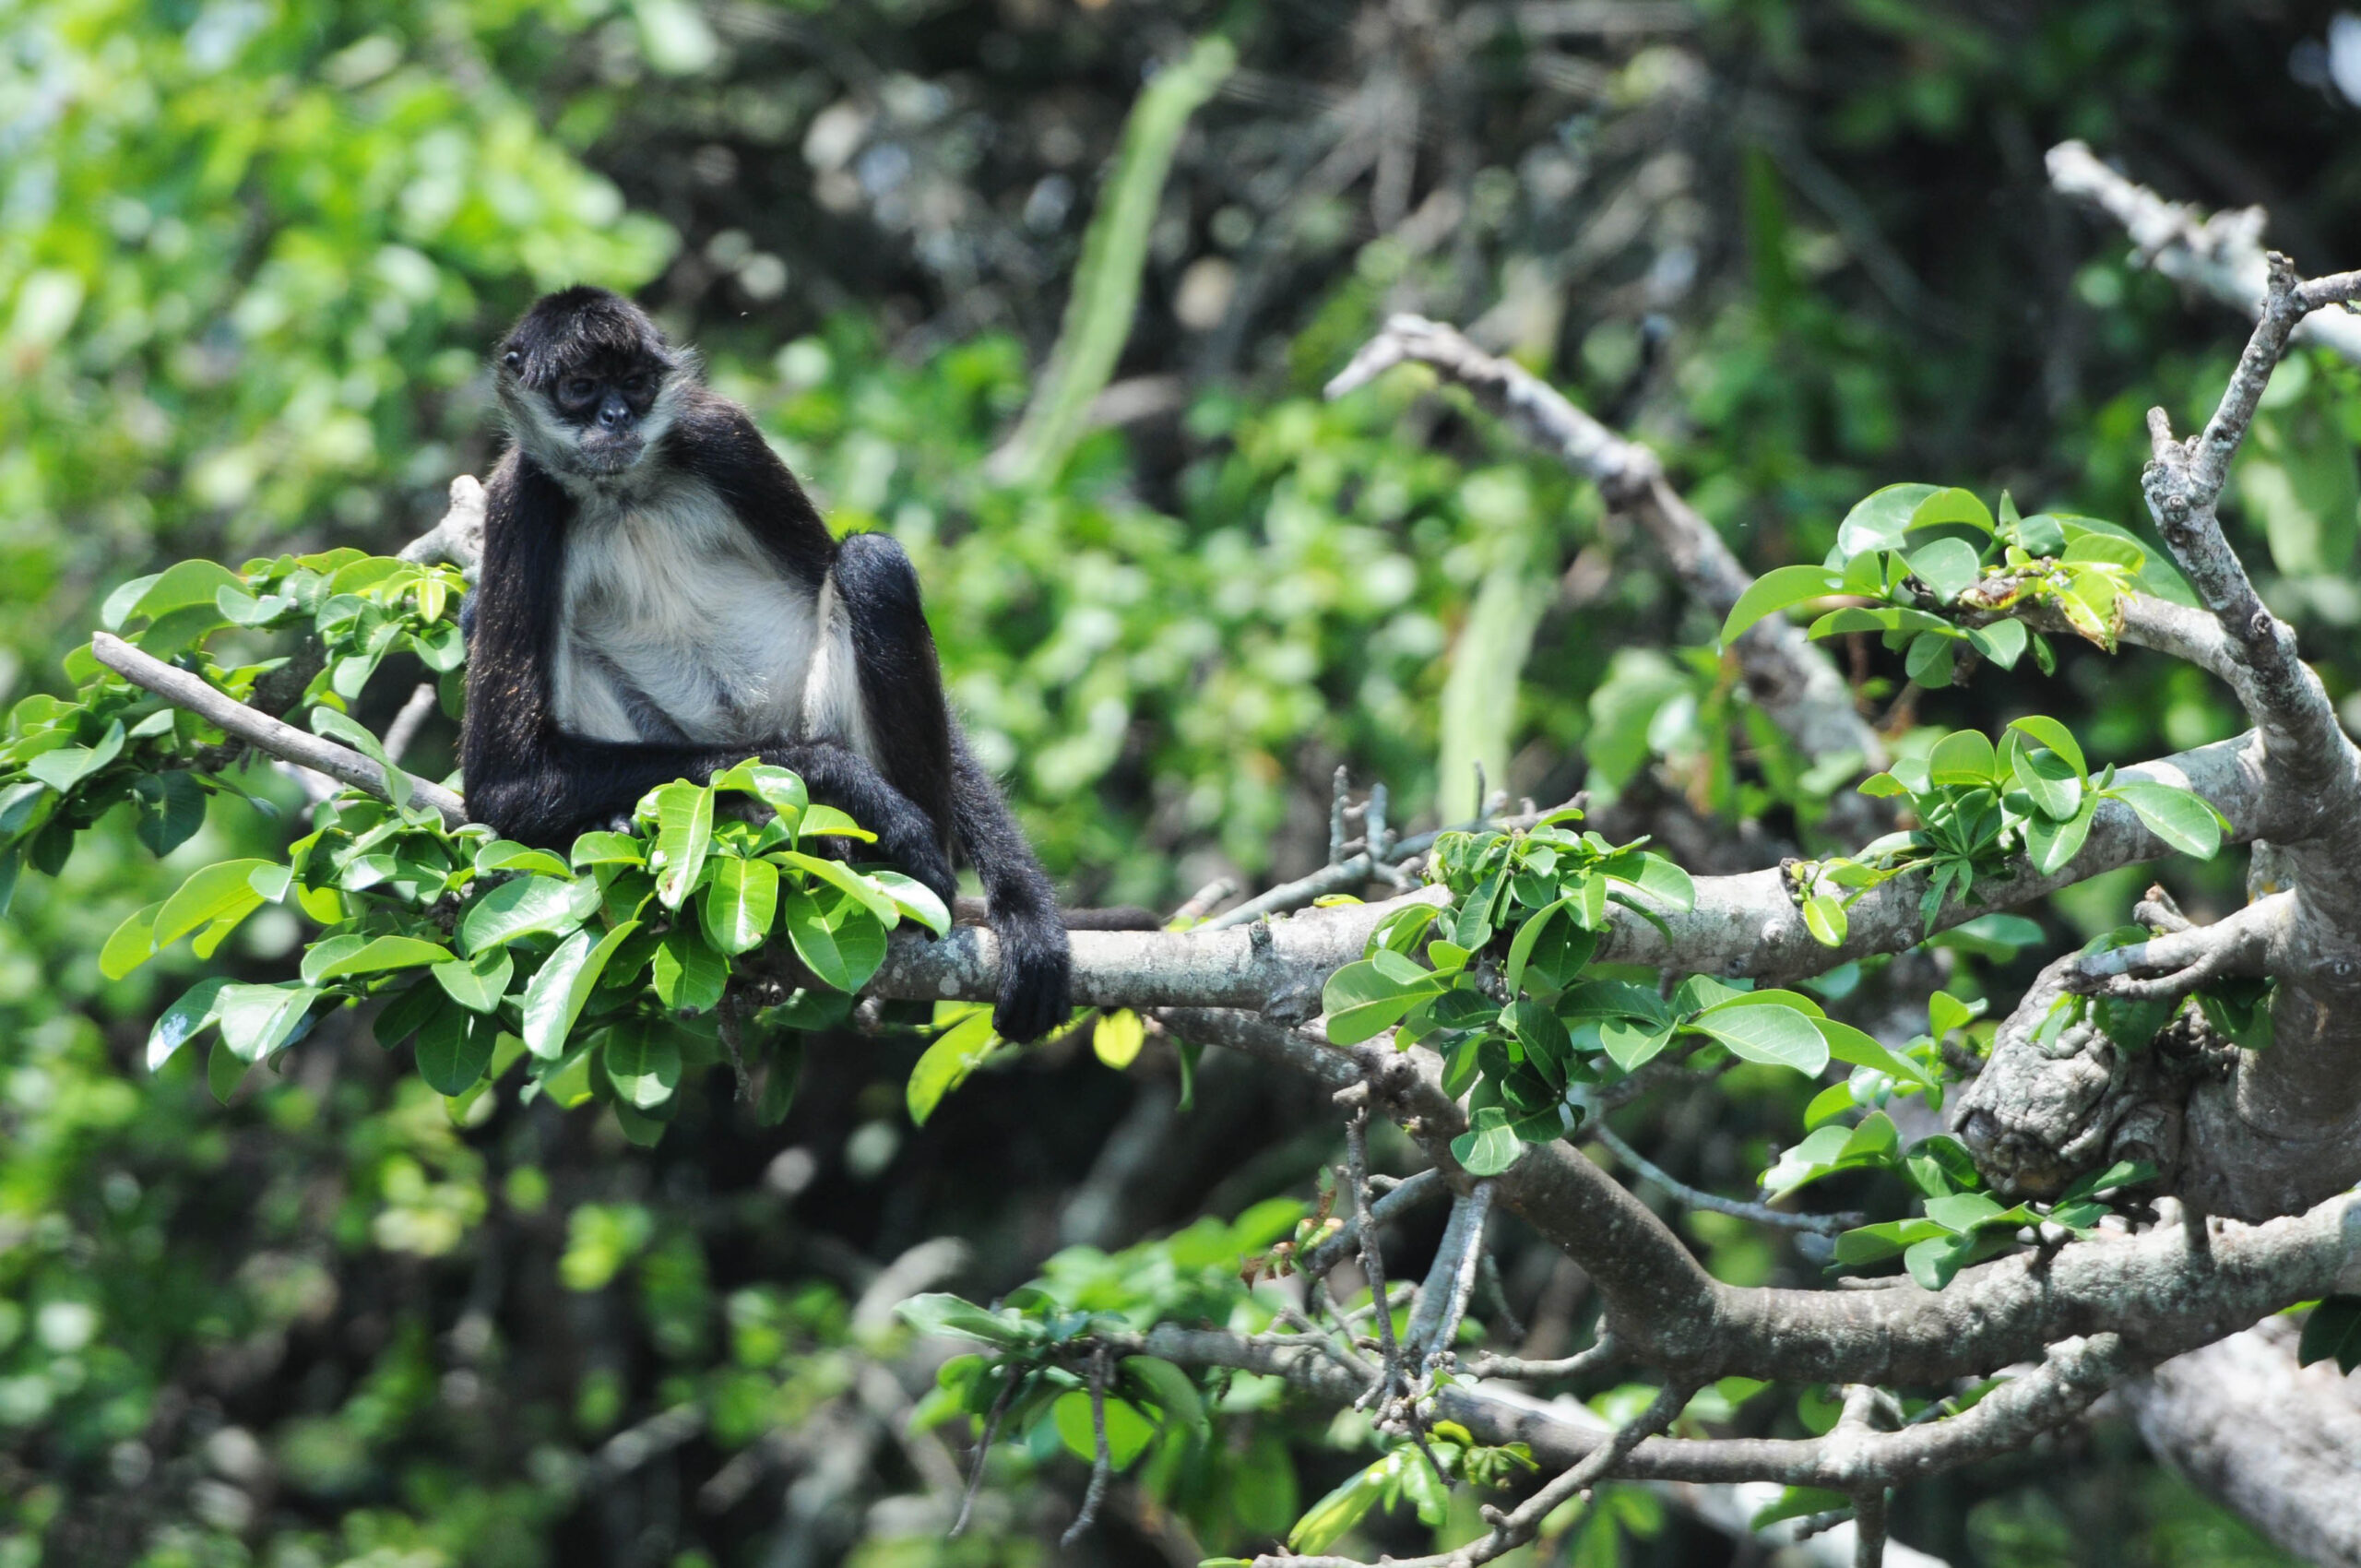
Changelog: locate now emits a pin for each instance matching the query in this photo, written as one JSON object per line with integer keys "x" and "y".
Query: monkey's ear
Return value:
{"x": 512, "y": 359}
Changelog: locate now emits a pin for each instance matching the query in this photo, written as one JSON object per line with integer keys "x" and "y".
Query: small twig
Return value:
{"x": 458, "y": 538}
{"x": 1103, "y": 1463}
{"x": 1373, "y": 1261}
{"x": 1336, "y": 815}
{"x": 1604, "y": 1353}
{"x": 1504, "y": 1316}
{"x": 1405, "y": 1196}
{"x": 1869, "y": 1525}
{"x": 1202, "y": 902}
{"x": 265, "y": 733}
{"x": 1450, "y": 1279}
{"x": 984, "y": 1449}
{"x": 1360, "y": 869}
{"x": 1818, "y": 1224}
{"x": 409, "y": 720}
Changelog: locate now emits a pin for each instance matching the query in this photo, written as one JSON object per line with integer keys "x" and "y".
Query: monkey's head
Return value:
{"x": 588, "y": 383}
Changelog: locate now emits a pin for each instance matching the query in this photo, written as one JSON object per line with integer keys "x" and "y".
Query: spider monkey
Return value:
{"x": 658, "y": 599}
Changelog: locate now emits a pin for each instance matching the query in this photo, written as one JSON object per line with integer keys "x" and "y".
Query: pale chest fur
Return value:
{"x": 676, "y": 628}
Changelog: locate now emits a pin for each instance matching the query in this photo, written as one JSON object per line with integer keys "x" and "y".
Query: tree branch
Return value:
{"x": 2221, "y": 254}
{"x": 1794, "y": 680}
{"x": 274, "y": 736}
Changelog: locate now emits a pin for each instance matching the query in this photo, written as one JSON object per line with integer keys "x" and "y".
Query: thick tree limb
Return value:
{"x": 1793, "y": 680}
{"x": 2278, "y": 1442}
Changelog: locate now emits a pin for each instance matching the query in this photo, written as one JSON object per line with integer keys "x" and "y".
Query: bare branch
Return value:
{"x": 1405, "y": 1197}
{"x": 1102, "y": 1463}
{"x": 1696, "y": 1198}
{"x": 274, "y": 736}
{"x": 458, "y": 538}
{"x": 1794, "y": 681}
{"x": 409, "y": 720}
{"x": 2221, "y": 253}
{"x": 1450, "y": 1279}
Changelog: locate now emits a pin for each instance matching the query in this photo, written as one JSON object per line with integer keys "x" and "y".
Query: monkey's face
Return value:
{"x": 588, "y": 385}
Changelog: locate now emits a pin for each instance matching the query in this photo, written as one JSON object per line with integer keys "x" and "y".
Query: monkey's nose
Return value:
{"x": 614, "y": 414}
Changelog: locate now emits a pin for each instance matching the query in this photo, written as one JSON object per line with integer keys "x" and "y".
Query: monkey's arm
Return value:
{"x": 924, "y": 756}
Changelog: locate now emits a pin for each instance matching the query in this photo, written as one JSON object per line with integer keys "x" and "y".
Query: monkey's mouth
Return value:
{"x": 603, "y": 454}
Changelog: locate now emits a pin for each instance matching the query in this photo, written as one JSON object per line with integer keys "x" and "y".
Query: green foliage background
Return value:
{"x": 250, "y": 253}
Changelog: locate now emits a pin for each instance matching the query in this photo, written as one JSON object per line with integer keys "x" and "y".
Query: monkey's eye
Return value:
{"x": 578, "y": 389}
{"x": 636, "y": 384}
{"x": 512, "y": 359}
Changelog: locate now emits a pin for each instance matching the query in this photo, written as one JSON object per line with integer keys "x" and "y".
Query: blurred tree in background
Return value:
{"x": 250, "y": 255}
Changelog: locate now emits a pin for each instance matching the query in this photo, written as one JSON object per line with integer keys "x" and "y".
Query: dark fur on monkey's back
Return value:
{"x": 688, "y": 464}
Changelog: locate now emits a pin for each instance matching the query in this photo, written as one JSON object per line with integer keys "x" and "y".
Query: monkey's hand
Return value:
{"x": 1036, "y": 972}
{"x": 908, "y": 840}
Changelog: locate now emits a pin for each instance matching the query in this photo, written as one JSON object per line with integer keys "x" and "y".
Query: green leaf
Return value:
{"x": 1825, "y": 918}
{"x": 68, "y": 765}
{"x": 947, "y": 1064}
{"x": 1629, "y": 1044}
{"x": 643, "y": 1061}
{"x": 2332, "y": 1329}
{"x": 1776, "y": 590}
{"x": 454, "y": 1048}
{"x": 132, "y": 944}
{"x": 386, "y": 953}
{"x": 740, "y": 902}
{"x": 1362, "y": 1001}
{"x": 1326, "y": 1521}
{"x": 683, "y": 833}
{"x": 179, "y": 587}
{"x": 2053, "y": 844}
{"x": 338, "y": 726}
{"x": 1935, "y": 1262}
{"x": 1490, "y": 1145}
{"x": 2050, "y": 782}
{"x": 502, "y": 854}
{"x": 1883, "y": 520}
{"x": 947, "y": 1316}
{"x": 1799, "y": 1501}
{"x": 1931, "y": 659}
{"x": 1128, "y": 1432}
{"x": 604, "y": 848}
{"x": 1953, "y": 505}
{"x": 853, "y": 883}
{"x": 171, "y": 808}
{"x": 1948, "y": 567}
{"x": 827, "y": 822}
{"x": 555, "y": 995}
{"x": 527, "y": 907}
{"x": 212, "y": 893}
{"x": 2181, "y": 819}
{"x": 1170, "y": 1389}
{"x": 478, "y": 983}
{"x": 914, "y": 898}
{"x": 1527, "y": 936}
{"x": 687, "y": 974}
{"x": 841, "y": 943}
{"x": 258, "y": 1019}
{"x": 1780, "y": 1037}
{"x": 183, "y": 1020}
{"x": 2047, "y": 732}
{"x": 224, "y": 1071}
{"x": 2002, "y": 642}
{"x": 1963, "y": 757}
{"x": 1846, "y": 1043}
